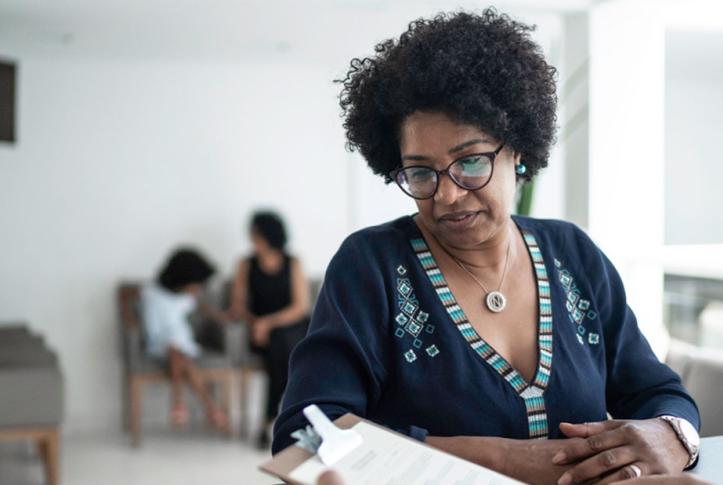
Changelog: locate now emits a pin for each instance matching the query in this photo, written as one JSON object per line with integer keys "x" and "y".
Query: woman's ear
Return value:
{"x": 517, "y": 157}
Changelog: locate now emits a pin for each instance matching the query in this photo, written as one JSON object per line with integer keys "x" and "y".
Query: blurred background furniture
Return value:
{"x": 31, "y": 394}
{"x": 702, "y": 372}
{"x": 249, "y": 362}
{"x": 217, "y": 366}
{"x": 693, "y": 307}
{"x": 245, "y": 361}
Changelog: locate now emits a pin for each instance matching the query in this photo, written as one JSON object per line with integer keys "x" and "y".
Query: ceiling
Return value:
{"x": 223, "y": 29}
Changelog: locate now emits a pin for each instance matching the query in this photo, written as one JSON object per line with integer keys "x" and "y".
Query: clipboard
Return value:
{"x": 285, "y": 463}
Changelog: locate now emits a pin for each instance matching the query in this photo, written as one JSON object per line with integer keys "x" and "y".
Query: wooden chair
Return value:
{"x": 249, "y": 363}
{"x": 47, "y": 441}
{"x": 246, "y": 362}
{"x": 140, "y": 370}
{"x": 701, "y": 370}
{"x": 31, "y": 400}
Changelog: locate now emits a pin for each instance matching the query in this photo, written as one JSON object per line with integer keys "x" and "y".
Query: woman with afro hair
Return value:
{"x": 502, "y": 339}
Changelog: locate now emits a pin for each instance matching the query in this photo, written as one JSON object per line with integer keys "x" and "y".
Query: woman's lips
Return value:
{"x": 459, "y": 220}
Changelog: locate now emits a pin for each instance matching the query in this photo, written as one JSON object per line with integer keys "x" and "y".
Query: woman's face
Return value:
{"x": 457, "y": 217}
{"x": 194, "y": 289}
{"x": 261, "y": 245}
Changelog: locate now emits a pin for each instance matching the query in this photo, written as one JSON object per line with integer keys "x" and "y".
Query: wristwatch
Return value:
{"x": 687, "y": 435}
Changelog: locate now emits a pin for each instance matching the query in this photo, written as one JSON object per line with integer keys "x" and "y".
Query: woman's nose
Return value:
{"x": 447, "y": 191}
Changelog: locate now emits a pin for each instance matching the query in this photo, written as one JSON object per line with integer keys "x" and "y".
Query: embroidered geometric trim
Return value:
{"x": 579, "y": 309}
{"x": 411, "y": 320}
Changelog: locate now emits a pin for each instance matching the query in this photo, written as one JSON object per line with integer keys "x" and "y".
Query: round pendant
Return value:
{"x": 495, "y": 301}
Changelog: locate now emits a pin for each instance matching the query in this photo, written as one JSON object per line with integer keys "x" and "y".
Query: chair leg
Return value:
{"x": 126, "y": 419}
{"x": 226, "y": 398}
{"x": 49, "y": 448}
{"x": 135, "y": 410}
{"x": 243, "y": 390}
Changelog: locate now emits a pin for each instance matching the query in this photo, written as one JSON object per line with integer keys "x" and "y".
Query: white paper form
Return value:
{"x": 385, "y": 458}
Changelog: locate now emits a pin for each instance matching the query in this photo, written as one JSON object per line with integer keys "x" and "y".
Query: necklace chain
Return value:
{"x": 495, "y": 301}
{"x": 504, "y": 270}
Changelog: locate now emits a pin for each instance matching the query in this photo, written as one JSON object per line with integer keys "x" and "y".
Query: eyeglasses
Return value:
{"x": 471, "y": 172}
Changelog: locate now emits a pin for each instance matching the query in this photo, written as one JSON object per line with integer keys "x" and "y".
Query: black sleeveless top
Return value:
{"x": 269, "y": 293}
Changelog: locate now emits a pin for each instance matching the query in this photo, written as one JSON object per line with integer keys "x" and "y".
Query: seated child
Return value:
{"x": 165, "y": 307}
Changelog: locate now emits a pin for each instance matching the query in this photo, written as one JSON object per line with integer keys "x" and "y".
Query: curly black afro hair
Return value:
{"x": 185, "y": 266}
{"x": 480, "y": 69}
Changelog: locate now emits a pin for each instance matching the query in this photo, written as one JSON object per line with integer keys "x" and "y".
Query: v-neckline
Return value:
{"x": 479, "y": 345}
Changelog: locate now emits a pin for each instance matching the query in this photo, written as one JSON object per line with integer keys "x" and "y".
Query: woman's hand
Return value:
{"x": 260, "y": 331}
{"x": 617, "y": 450}
{"x": 530, "y": 461}
{"x": 234, "y": 313}
{"x": 330, "y": 477}
{"x": 527, "y": 460}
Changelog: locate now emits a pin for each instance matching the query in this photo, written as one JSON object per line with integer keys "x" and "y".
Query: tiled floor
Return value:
{"x": 166, "y": 457}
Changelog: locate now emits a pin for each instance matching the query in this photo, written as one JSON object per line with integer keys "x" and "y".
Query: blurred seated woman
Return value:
{"x": 502, "y": 339}
{"x": 165, "y": 307}
{"x": 271, "y": 294}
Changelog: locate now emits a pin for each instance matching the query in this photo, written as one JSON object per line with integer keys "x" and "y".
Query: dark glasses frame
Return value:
{"x": 394, "y": 174}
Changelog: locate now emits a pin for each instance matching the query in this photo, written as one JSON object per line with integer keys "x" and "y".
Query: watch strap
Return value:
{"x": 692, "y": 450}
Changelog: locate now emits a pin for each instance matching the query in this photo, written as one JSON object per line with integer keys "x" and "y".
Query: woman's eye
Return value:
{"x": 420, "y": 176}
{"x": 472, "y": 164}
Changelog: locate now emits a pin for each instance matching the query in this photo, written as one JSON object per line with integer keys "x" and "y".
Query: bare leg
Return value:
{"x": 190, "y": 372}
{"x": 179, "y": 413}
{"x": 175, "y": 363}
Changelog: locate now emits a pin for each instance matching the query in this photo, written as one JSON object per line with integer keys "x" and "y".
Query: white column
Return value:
{"x": 574, "y": 115}
{"x": 626, "y": 210}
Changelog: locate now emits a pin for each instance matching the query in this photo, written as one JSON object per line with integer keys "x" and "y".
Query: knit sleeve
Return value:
{"x": 638, "y": 385}
{"x": 340, "y": 364}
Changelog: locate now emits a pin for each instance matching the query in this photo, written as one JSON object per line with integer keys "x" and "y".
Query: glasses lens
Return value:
{"x": 471, "y": 172}
{"x": 419, "y": 182}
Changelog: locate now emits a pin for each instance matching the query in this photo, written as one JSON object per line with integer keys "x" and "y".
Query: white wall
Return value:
{"x": 120, "y": 159}
{"x": 118, "y": 162}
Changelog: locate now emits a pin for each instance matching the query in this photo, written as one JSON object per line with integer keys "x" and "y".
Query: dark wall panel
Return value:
{"x": 7, "y": 101}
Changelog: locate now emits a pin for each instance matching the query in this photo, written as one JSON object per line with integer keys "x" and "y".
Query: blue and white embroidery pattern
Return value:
{"x": 411, "y": 320}
{"x": 579, "y": 309}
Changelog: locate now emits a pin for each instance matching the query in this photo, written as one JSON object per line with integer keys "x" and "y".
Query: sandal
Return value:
{"x": 179, "y": 416}
{"x": 218, "y": 420}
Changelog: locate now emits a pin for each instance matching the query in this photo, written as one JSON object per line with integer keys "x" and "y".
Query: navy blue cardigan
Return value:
{"x": 388, "y": 342}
